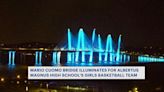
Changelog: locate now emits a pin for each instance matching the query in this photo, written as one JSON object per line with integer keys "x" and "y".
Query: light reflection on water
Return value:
{"x": 10, "y": 67}
{"x": 12, "y": 70}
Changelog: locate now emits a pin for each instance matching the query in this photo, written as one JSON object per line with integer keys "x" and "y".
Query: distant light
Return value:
{"x": 129, "y": 91}
{"x": 46, "y": 49}
{"x": 25, "y": 81}
{"x": 75, "y": 88}
{"x": 26, "y": 88}
{"x": 158, "y": 89}
{"x": 18, "y": 76}
{"x": 2, "y": 79}
{"x": 18, "y": 82}
{"x": 62, "y": 48}
{"x": 47, "y": 85}
{"x": 41, "y": 48}
{"x": 135, "y": 88}
{"x": 22, "y": 48}
{"x": 67, "y": 87}
{"x": 83, "y": 89}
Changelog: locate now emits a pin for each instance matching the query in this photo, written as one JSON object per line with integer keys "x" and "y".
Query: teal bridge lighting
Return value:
{"x": 38, "y": 58}
{"x": 84, "y": 50}
{"x": 11, "y": 58}
{"x": 145, "y": 59}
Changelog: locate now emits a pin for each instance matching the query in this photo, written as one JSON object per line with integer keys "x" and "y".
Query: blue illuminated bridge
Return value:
{"x": 78, "y": 50}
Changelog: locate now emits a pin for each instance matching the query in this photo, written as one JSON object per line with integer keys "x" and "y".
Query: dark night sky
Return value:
{"x": 139, "y": 21}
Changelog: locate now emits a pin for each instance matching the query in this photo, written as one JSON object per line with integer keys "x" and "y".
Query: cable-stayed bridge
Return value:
{"x": 80, "y": 50}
